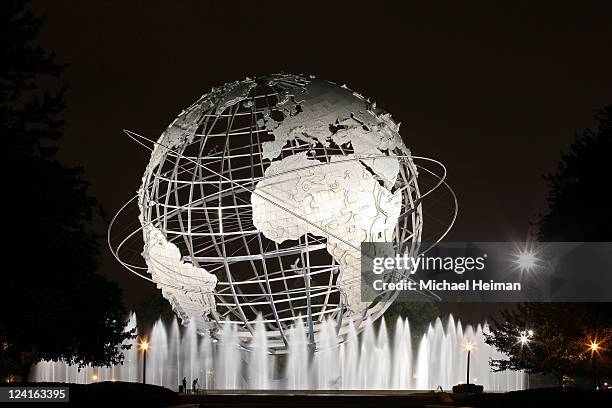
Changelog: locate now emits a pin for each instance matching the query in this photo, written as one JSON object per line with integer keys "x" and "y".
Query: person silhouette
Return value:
{"x": 184, "y": 384}
{"x": 195, "y": 385}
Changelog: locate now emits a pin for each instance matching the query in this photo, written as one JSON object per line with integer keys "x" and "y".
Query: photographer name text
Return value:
{"x": 444, "y": 285}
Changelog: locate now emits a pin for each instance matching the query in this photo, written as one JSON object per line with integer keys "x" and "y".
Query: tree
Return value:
{"x": 54, "y": 306}
{"x": 577, "y": 212}
{"x": 560, "y": 342}
{"x": 577, "y": 209}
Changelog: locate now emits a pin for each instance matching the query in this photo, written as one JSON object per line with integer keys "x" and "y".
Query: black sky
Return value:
{"x": 495, "y": 91}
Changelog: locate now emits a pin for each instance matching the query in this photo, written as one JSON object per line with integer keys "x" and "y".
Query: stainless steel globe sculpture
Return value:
{"x": 257, "y": 197}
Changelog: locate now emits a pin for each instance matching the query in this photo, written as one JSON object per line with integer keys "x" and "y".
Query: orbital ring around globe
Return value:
{"x": 132, "y": 268}
{"x": 257, "y": 197}
{"x": 441, "y": 181}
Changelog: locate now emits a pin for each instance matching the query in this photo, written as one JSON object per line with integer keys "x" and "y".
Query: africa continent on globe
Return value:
{"x": 257, "y": 198}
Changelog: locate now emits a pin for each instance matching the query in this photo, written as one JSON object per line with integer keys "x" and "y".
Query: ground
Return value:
{"x": 132, "y": 394}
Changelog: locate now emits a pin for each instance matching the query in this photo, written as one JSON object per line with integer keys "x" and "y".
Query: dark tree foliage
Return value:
{"x": 578, "y": 207}
{"x": 28, "y": 112}
{"x": 53, "y": 304}
{"x": 561, "y": 336}
{"x": 578, "y": 211}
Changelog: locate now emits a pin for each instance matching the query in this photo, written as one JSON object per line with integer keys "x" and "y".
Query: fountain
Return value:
{"x": 370, "y": 360}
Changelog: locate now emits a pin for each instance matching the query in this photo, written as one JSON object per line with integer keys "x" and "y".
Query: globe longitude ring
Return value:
{"x": 256, "y": 199}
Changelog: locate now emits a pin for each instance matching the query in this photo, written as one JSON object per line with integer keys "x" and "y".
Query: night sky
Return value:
{"x": 494, "y": 92}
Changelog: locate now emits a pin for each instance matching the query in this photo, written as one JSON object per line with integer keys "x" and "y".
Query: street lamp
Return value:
{"x": 469, "y": 346}
{"x": 594, "y": 347}
{"x": 143, "y": 346}
{"x": 525, "y": 337}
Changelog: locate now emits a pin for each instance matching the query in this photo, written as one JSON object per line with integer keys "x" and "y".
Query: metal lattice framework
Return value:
{"x": 196, "y": 202}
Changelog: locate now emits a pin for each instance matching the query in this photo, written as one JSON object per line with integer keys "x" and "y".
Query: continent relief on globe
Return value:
{"x": 340, "y": 199}
{"x": 349, "y": 198}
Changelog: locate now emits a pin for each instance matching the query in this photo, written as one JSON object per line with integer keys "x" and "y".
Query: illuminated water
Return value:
{"x": 371, "y": 360}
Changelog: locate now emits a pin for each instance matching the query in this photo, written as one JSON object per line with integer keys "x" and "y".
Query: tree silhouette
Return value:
{"x": 53, "y": 304}
{"x": 578, "y": 211}
{"x": 560, "y": 341}
{"x": 577, "y": 207}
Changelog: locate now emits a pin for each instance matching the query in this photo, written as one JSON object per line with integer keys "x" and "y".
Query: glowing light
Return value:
{"x": 594, "y": 346}
{"x": 143, "y": 345}
{"x": 525, "y": 337}
{"x": 94, "y": 377}
{"x": 526, "y": 260}
{"x": 469, "y": 346}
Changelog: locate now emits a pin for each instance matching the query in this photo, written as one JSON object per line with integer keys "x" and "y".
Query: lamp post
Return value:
{"x": 525, "y": 337}
{"x": 143, "y": 346}
{"x": 468, "y": 347}
{"x": 594, "y": 347}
